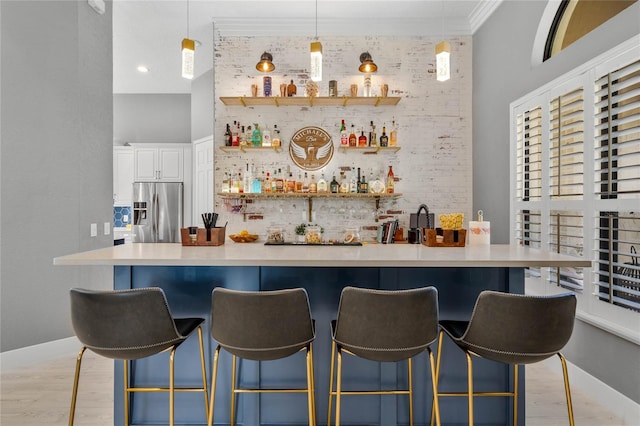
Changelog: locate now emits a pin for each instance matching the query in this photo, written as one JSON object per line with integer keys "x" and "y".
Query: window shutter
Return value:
{"x": 617, "y": 133}
{"x": 529, "y": 232}
{"x": 566, "y": 236}
{"x": 566, "y": 145}
{"x": 529, "y": 155}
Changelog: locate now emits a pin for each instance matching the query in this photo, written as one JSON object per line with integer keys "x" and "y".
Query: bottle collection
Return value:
{"x": 239, "y": 135}
{"x": 354, "y": 181}
{"x": 368, "y": 136}
{"x": 263, "y": 136}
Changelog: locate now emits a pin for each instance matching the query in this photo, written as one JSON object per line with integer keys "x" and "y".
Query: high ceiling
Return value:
{"x": 149, "y": 32}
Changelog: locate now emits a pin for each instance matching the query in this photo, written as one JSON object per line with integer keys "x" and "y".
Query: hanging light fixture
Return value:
{"x": 443, "y": 53}
{"x": 266, "y": 63}
{"x": 366, "y": 63}
{"x": 188, "y": 53}
{"x": 316, "y": 54}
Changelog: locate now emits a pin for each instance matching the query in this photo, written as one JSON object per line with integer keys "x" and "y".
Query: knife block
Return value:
{"x": 216, "y": 237}
{"x": 450, "y": 237}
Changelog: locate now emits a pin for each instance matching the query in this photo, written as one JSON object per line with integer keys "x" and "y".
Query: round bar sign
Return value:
{"x": 311, "y": 148}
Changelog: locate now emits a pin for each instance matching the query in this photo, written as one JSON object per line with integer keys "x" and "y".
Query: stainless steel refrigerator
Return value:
{"x": 157, "y": 212}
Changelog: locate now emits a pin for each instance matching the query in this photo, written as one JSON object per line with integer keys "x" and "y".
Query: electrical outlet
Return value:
{"x": 94, "y": 229}
{"x": 125, "y": 218}
{"x": 107, "y": 228}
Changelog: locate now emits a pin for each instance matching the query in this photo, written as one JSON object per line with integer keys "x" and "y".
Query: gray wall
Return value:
{"x": 202, "y": 106}
{"x": 151, "y": 118}
{"x": 56, "y": 160}
{"x": 503, "y": 72}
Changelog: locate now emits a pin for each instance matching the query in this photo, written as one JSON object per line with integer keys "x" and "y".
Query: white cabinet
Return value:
{"x": 203, "y": 180}
{"x": 122, "y": 176}
{"x": 159, "y": 163}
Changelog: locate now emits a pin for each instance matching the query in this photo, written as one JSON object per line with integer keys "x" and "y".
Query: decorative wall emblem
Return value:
{"x": 311, "y": 148}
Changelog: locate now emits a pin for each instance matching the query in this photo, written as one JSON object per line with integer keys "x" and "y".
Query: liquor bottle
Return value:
{"x": 322, "y": 184}
{"x": 266, "y": 187}
{"x": 353, "y": 140}
{"x": 313, "y": 186}
{"x": 241, "y": 137}
{"x": 305, "y": 183}
{"x": 353, "y": 182}
{"x": 256, "y": 185}
{"x": 248, "y": 136}
{"x": 247, "y": 181}
{"x": 299, "y": 183}
{"x": 364, "y": 186}
{"x": 393, "y": 134}
{"x": 279, "y": 182}
{"x": 266, "y": 136}
{"x": 390, "y": 181}
{"x": 344, "y": 138}
{"x": 256, "y": 136}
{"x": 358, "y": 182}
{"x": 240, "y": 182}
{"x": 234, "y": 134}
{"x": 227, "y": 136}
{"x": 373, "y": 138}
{"x": 291, "y": 183}
{"x": 384, "y": 139}
{"x": 344, "y": 183}
{"x": 274, "y": 181}
{"x": 362, "y": 140}
{"x": 333, "y": 186}
{"x": 275, "y": 141}
{"x": 291, "y": 89}
{"x": 225, "y": 183}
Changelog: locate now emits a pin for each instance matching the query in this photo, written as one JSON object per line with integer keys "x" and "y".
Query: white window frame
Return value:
{"x": 620, "y": 321}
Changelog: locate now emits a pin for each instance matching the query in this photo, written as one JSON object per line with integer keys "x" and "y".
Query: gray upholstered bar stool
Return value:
{"x": 512, "y": 329}
{"x": 262, "y": 326}
{"x": 384, "y": 326}
{"x": 129, "y": 325}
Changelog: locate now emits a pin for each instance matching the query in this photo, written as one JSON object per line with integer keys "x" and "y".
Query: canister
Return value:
{"x": 479, "y": 231}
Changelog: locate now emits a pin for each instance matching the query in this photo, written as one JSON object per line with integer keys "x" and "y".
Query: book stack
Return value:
{"x": 387, "y": 232}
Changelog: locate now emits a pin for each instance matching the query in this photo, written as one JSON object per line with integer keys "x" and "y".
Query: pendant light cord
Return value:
{"x": 188, "y": 19}
{"x": 316, "y": 19}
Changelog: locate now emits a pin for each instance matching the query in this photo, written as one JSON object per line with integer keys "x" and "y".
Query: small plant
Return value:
{"x": 301, "y": 228}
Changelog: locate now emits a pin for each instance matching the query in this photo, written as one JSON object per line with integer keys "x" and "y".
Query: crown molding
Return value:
{"x": 481, "y": 13}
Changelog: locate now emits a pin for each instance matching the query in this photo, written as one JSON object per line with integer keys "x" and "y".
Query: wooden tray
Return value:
{"x": 452, "y": 238}
{"x": 216, "y": 237}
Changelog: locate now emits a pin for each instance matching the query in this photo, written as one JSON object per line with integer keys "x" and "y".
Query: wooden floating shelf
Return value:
{"x": 257, "y": 196}
{"x": 248, "y": 101}
{"x": 247, "y": 148}
{"x": 369, "y": 149}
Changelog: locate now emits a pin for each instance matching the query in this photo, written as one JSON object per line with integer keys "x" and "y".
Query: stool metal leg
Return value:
{"x": 515, "y": 394}
{"x": 409, "y": 364}
{"x": 204, "y": 373}
{"x": 470, "y": 386}
{"x": 338, "y": 387}
{"x": 567, "y": 390}
{"x": 436, "y": 375}
{"x": 214, "y": 374}
{"x": 435, "y": 406}
{"x": 233, "y": 389}
{"x": 125, "y": 371}
{"x": 76, "y": 380}
{"x": 333, "y": 356}
{"x": 310, "y": 396}
{"x": 172, "y": 385}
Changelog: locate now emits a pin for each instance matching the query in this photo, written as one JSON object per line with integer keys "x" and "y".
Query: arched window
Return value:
{"x": 576, "y": 18}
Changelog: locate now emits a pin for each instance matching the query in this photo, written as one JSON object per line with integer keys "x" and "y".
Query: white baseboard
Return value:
{"x": 31, "y": 355}
{"x": 623, "y": 406}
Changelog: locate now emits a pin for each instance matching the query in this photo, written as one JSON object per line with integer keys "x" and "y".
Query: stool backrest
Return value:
{"x": 261, "y": 325}
{"x": 123, "y": 324}
{"x": 521, "y": 324}
{"x": 387, "y": 325}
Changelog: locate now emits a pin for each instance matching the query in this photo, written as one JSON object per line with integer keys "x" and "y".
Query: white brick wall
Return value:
{"x": 434, "y": 119}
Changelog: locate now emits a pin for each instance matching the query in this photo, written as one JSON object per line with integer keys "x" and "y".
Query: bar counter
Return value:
{"x": 189, "y": 274}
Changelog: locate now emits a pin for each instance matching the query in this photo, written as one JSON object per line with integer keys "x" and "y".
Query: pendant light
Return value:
{"x": 316, "y": 54}
{"x": 366, "y": 63}
{"x": 188, "y": 53}
{"x": 266, "y": 63}
{"x": 443, "y": 53}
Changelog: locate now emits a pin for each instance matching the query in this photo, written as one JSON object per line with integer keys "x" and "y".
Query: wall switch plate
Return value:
{"x": 94, "y": 229}
{"x": 125, "y": 218}
{"x": 107, "y": 228}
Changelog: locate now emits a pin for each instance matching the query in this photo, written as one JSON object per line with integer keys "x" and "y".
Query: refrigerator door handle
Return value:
{"x": 155, "y": 216}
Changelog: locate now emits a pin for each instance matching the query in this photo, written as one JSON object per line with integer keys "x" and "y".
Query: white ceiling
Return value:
{"x": 149, "y": 32}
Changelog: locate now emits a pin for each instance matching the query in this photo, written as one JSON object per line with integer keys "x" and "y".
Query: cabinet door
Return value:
{"x": 170, "y": 164}
{"x": 122, "y": 176}
{"x": 145, "y": 164}
{"x": 203, "y": 179}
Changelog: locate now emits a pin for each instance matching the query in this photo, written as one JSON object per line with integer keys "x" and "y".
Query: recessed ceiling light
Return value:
{"x": 143, "y": 69}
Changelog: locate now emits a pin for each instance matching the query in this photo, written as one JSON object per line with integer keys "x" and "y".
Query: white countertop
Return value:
{"x": 368, "y": 255}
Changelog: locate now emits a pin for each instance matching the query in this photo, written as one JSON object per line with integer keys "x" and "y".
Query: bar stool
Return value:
{"x": 262, "y": 326}
{"x": 129, "y": 325}
{"x": 512, "y": 329}
{"x": 384, "y": 326}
